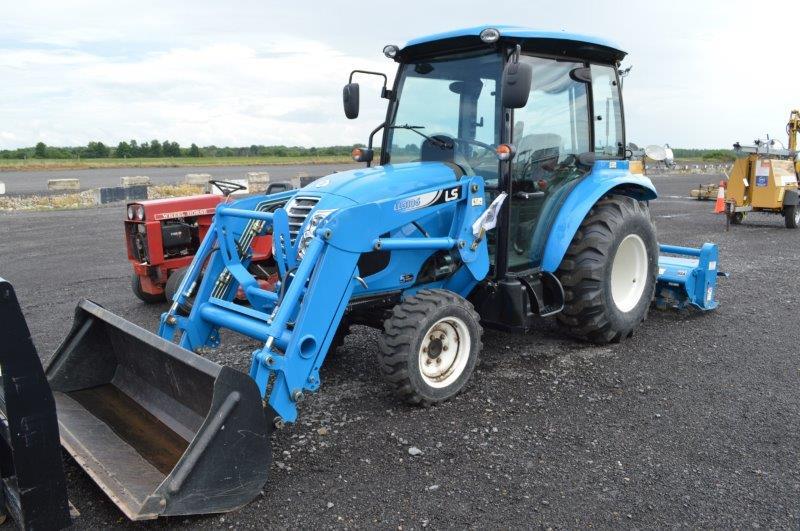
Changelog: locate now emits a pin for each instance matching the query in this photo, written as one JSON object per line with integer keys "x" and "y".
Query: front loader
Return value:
{"x": 502, "y": 194}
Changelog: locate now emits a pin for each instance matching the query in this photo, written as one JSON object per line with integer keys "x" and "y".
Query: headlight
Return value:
{"x": 490, "y": 35}
{"x": 390, "y": 51}
{"x": 130, "y": 212}
{"x": 139, "y": 212}
{"x": 308, "y": 233}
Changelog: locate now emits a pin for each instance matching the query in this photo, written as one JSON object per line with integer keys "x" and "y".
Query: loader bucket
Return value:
{"x": 160, "y": 429}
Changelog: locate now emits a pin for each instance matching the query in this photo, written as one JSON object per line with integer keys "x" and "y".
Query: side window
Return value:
{"x": 608, "y": 141}
{"x": 554, "y": 123}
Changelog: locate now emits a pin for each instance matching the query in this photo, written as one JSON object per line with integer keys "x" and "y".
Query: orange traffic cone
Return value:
{"x": 719, "y": 207}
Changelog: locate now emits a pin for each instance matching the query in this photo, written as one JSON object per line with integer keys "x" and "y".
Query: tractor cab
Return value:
{"x": 533, "y": 113}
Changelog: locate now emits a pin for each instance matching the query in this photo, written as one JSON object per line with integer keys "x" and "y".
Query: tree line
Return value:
{"x": 166, "y": 148}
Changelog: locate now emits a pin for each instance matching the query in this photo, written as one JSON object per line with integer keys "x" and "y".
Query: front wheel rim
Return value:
{"x": 444, "y": 352}
{"x": 629, "y": 273}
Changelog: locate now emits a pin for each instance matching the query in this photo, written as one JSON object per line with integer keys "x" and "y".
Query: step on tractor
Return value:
{"x": 764, "y": 179}
{"x": 501, "y": 194}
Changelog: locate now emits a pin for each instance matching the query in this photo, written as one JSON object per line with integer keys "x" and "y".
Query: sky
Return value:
{"x": 706, "y": 73}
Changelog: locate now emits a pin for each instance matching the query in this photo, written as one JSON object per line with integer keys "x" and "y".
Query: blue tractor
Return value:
{"x": 501, "y": 193}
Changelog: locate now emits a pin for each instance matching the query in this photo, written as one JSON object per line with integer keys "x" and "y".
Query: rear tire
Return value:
{"x": 149, "y": 298}
{"x": 609, "y": 271}
{"x": 430, "y": 346}
{"x": 791, "y": 216}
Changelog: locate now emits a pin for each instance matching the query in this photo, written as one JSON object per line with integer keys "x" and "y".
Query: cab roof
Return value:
{"x": 533, "y": 40}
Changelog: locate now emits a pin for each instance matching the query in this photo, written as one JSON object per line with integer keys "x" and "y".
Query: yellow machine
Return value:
{"x": 764, "y": 179}
{"x": 793, "y": 130}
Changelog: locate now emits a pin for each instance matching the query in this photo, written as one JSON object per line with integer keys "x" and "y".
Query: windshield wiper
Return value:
{"x": 435, "y": 141}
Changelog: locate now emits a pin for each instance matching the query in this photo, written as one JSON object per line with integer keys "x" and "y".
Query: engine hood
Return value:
{"x": 366, "y": 185}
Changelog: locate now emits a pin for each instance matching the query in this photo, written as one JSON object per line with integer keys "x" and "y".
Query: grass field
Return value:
{"x": 167, "y": 162}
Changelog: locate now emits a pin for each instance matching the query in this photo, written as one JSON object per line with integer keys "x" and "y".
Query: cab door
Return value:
{"x": 548, "y": 133}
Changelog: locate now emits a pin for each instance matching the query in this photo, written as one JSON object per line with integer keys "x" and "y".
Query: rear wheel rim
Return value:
{"x": 796, "y": 216}
{"x": 444, "y": 352}
{"x": 629, "y": 273}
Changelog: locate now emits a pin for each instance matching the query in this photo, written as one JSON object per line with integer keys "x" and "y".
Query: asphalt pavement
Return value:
{"x": 33, "y": 182}
{"x": 693, "y": 422}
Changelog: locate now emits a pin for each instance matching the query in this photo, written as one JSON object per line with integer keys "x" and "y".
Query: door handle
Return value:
{"x": 528, "y": 195}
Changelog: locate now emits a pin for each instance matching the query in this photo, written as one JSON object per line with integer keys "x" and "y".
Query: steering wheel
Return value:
{"x": 489, "y": 149}
{"x": 227, "y": 187}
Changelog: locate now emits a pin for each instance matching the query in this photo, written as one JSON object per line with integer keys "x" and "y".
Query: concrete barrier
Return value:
{"x": 297, "y": 180}
{"x": 308, "y": 179}
{"x": 135, "y": 180}
{"x": 258, "y": 181}
{"x": 64, "y": 184}
{"x": 2, "y": 188}
{"x": 114, "y": 194}
{"x": 197, "y": 178}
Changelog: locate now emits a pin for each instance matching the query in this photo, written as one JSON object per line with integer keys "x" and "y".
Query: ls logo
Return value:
{"x": 451, "y": 195}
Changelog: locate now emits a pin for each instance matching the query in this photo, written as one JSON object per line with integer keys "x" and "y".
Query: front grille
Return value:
{"x": 298, "y": 209}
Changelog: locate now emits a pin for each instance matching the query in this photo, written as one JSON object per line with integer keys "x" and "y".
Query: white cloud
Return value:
{"x": 253, "y": 71}
{"x": 227, "y": 94}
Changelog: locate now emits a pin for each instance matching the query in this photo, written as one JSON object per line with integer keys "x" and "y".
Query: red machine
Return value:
{"x": 162, "y": 237}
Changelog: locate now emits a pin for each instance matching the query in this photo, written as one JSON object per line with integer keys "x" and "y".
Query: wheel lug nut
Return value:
{"x": 424, "y": 349}
{"x": 444, "y": 347}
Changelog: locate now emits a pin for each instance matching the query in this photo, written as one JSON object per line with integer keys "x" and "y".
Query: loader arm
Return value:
{"x": 297, "y": 324}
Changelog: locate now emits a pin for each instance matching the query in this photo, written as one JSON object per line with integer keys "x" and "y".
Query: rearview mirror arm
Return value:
{"x": 385, "y": 93}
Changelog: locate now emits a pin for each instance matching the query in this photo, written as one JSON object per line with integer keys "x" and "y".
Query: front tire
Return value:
{"x": 149, "y": 298}
{"x": 174, "y": 282}
{"x": 430, "y": 346}
{"x": 609, "y": 271}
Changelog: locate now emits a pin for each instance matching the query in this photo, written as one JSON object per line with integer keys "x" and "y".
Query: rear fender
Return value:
{"x": 606, "y": 177}
{"x": 791, "y": 198}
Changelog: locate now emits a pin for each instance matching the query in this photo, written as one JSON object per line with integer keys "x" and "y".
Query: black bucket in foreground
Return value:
{"x": 160, "y": 429}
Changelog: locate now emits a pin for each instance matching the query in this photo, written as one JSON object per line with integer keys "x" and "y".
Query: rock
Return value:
{"x": 432, "y": 487}
{"x": 330, "y": 505}
{"x": 323, "y": 431}
{"x": 2, "y": 188}
{"x": 63, "y": 184}
{"x": 414, "y": 451}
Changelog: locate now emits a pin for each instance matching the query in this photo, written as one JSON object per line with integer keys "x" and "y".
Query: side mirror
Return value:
{"x": 517, "y": 78}
{"x": 350, "y": 100}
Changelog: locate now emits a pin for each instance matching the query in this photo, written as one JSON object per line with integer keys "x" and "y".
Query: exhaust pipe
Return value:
{"x": 161, "y": 430}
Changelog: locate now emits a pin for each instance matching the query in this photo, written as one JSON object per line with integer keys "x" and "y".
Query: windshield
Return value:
{"x": 447, "y": 111}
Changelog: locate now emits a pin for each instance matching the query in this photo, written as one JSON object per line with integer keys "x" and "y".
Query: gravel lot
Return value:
{"x": 693, "y": 422}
